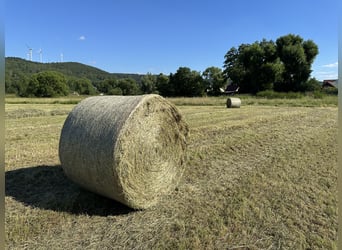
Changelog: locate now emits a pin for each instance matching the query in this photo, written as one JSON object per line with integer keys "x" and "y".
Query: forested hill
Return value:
{"x": 17, "y": 67}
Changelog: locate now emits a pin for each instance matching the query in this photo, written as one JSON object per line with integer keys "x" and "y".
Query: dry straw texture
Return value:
{"x": 128, "y": 148}
{"x": 233, "y": 102}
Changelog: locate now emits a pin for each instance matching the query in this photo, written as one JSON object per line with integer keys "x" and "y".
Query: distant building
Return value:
{"x": 330, "y": 83}
{"x": 231, "y": 89}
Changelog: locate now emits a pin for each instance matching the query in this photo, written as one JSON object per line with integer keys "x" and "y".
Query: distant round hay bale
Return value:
{"x": 233, "y": 102}
{"x": 128, "y": 148}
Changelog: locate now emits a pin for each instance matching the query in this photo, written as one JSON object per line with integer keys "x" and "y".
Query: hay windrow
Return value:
{"x": 129, "y": 148}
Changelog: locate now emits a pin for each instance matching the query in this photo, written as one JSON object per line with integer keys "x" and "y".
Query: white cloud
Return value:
{"x": 331, "y": 65}
{"x": 81, "y": 38}
{"x": 324, "y": 75}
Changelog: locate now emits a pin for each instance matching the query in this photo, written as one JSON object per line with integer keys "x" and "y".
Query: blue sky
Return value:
{"x": 159, "y": 36}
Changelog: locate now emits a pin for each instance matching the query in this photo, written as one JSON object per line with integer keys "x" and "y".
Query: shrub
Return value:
{"x": 47, "y": 84}
{"x": 311, "y": 85}
{"x": 317, "y": 94}
{"x": 270, "y": 94}
{"x": 83, "y": 86}
{"x": 115, "y": 91}
{"x": 330, "y": 91}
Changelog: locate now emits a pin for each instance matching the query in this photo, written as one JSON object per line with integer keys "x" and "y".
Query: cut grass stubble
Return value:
{"x": 258, "y": 177}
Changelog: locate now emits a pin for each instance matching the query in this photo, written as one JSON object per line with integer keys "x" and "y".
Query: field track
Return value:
{"x": 258, "y": 177}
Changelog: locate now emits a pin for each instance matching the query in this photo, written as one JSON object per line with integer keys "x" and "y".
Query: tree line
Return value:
{"x": 283, "y": 65}
{"x": 185, "y": 82}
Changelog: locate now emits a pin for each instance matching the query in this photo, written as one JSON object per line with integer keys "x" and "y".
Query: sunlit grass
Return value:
{"x": 263, "y": 176}
{"x": 303, "y": 101}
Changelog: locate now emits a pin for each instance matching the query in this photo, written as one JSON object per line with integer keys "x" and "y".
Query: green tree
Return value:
{"x": 254, "y": 67}
{"x": 187, "y": 82}
{"x": 284, "y": 65}
{"x": 233, "y": 67}
{"x": 122, "y": 86}
{"x": 19, "y": 85}
{"x": 47, "y": 84}
{"x": 163, "y": 85}
{"x": 214, "y": 80}
{"x": 82, "y": 86}
{"x": 297, "y": 57}
{"x": 149, "y": 83}
{"x": 107, "y": 85}
{"x": 128, "y": 86}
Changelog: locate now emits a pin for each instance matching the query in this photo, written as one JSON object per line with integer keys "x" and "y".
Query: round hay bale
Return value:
{"x": 233, "y": 102}
{"x": 128, "y": 148}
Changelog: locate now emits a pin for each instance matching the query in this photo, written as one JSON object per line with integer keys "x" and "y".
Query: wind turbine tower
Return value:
{"x": 40, "y": 55}
{"x": 30, "y": 52}
{"x": 61, "y": 57}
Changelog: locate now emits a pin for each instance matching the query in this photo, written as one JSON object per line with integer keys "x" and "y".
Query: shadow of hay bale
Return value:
{"x": 47, "y": 187}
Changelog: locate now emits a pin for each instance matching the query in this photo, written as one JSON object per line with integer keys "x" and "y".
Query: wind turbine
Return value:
{"x": 30, "y": 52}
{"x": 40, "y": 51}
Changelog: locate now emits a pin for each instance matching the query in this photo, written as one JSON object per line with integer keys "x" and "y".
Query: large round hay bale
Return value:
{"x": 233, "y": 102}
{"x": 128, "y": 148}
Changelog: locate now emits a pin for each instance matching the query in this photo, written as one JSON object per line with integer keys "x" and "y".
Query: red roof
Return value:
{"x": 329, "y": 83}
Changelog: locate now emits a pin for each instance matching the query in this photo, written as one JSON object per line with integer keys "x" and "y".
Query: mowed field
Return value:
{"x": 263, "y": 176}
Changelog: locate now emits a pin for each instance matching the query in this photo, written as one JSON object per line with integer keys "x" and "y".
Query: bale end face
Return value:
{"x": 233, "y": 102}
{"x": 151, "y": 152}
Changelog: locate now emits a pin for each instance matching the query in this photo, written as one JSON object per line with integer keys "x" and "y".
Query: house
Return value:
{"x": 231, "y": 89}
{"x": 330, "y": 83}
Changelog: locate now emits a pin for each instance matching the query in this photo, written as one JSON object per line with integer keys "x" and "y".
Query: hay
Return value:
{"x": 128, "y": 148}
{"x": 233, "y": 102}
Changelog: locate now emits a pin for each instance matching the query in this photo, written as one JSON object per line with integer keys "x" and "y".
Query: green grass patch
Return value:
{"x": 270, "y": 94}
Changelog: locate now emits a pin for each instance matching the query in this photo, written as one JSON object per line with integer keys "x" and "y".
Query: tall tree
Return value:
{"x": 284, "y": 65}
{"x": 254, "y": 67}
{"x": 214, "y": 80}
{"x": 233, "y": 67}
{"x": 297, "y": 57}
{"x": 148, "y": 83}
{"x": 163, "y": 85}
{"x": 187, "y": 82}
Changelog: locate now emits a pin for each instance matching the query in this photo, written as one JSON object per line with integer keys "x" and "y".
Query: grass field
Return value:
{"x": 260, "y": 177}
